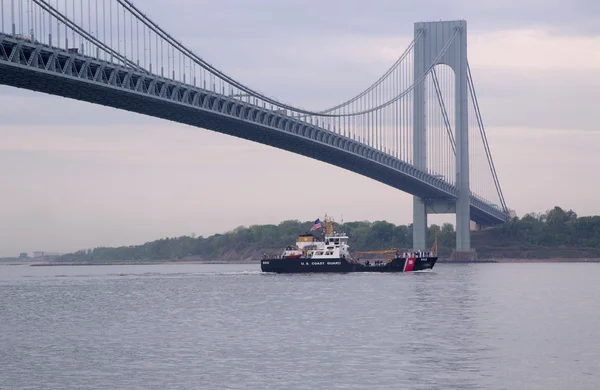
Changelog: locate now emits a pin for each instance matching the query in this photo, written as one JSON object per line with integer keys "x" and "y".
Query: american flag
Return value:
{"x": 316, "y": 226}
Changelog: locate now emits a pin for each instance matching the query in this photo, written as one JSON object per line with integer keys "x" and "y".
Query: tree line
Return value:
{"x": 555, "y": 233}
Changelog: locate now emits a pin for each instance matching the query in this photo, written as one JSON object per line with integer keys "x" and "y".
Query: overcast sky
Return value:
{"x": 77, "y": 175}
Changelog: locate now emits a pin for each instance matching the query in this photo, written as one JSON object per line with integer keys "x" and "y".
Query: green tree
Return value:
{"x": 547, "y": 234}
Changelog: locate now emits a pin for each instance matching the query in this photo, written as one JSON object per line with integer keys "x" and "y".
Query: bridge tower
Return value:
{"x": 434, "y": 36}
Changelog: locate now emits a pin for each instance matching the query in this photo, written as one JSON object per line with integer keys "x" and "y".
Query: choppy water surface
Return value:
{"x": 492, "y": 326}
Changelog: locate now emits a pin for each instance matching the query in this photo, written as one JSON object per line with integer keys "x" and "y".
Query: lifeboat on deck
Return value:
{"x": 291, "y": 252}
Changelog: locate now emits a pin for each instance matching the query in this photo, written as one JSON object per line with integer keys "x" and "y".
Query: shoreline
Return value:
{"x": 52, "y": 264}
{"x": 441, "y": 261}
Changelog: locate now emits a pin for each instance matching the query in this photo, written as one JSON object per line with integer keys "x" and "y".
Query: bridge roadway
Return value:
{"x": 55, "y": 71}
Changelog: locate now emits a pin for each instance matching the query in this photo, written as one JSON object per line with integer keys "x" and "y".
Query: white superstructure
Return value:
{"x": 332, "y": 245}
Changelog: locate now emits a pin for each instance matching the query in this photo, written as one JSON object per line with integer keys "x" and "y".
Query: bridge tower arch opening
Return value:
{"x": 432, "y": 38}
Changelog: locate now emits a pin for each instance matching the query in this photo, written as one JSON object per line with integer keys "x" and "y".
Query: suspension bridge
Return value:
{"x": 418, "y": 128}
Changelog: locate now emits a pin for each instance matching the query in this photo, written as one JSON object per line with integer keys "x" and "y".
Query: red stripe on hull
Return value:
{"x": 410, "y": 264}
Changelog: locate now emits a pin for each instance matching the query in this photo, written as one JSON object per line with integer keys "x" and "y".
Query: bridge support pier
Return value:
{"x": 463, "y": 203}
{"x": 419, "y": 143}
{"x": 433, "y": 37}
{"x": 419, "y": 224}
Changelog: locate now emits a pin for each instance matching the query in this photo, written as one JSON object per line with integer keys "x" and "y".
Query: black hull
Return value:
{"x": 305, "y": 265}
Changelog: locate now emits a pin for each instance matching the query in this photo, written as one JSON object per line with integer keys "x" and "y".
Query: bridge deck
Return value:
{"x": 55, "y": 71}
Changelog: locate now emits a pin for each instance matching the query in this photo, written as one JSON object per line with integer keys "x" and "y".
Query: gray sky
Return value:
{"x": 78, "y": 176}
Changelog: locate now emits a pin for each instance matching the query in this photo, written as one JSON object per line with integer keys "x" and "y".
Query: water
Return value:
{"x": 492, "y": 326}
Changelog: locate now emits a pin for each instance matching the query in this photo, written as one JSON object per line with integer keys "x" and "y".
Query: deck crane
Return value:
{"x": 434, "y": 251}
{"x": 379, "y": 252}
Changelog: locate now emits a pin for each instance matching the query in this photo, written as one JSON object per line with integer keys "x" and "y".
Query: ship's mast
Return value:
{"x": 328, "y": 227}
{"x": 434, "y": 247}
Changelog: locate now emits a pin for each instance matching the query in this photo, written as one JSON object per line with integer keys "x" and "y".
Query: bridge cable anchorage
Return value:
{"x": 438, "y": 92}
{"x": 484, "y": 138}
{"x": 381, "y": 79}
{"x": 167, "y": 37}
{"x": 75, "y": 28}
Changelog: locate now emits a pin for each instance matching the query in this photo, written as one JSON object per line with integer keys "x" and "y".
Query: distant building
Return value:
{"x": 42, "y": 255}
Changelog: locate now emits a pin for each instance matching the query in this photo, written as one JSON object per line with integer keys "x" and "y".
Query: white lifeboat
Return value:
{"x": 291, "y": 252}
